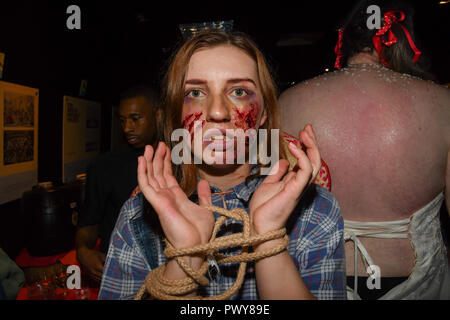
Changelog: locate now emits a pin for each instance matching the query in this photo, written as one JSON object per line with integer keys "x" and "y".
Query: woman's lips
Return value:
{"x": 219, "y": 139}
{"x": 219, "y": 144}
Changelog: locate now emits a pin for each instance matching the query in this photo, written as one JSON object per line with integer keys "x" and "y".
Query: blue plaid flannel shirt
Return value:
{"x": 316, "y": 245}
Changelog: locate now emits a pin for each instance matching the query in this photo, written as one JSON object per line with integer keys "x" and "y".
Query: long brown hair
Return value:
{"x": 174, "y": 82}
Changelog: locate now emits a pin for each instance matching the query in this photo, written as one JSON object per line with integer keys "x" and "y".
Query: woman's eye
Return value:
{"x": 194, "y": 93}
{"x": 239, "y": 92}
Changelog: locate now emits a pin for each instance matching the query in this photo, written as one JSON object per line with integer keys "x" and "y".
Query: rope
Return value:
{"x": 158, "y": 287}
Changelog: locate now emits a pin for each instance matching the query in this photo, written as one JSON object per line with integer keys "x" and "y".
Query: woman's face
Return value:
{"x": 222, "y": 92}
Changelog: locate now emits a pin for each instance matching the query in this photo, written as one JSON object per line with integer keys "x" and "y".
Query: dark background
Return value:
{"x": 126, "y": 42}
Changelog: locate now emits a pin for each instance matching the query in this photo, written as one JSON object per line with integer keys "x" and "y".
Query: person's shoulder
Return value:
{"x": 309, "y": 89}
{"x": 418, "y": 83}
{"x": 131, "y": 209}
{"x": 118, "y": 151}
{"x": 316, "y": 220}
{"x": 133, "y": 206}
{"x": 296, "y": 89}
{"x": 111, "y": 156}
{"x": 439, "y": 91}
{"x": 324, "y": 197}
{"x": 319, "y": 206}
{"x": 100, "y": 160}
{"x": 428, "y": 95}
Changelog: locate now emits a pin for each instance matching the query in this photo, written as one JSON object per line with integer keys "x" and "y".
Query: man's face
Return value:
{"x": 138, "y": 121}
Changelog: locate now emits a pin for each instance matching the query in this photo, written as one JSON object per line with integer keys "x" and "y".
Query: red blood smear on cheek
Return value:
{"x": 189, "y": 120}
{"x": 246, "y": 118}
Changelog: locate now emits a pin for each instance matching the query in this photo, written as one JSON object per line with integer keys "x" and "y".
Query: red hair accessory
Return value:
{"x": 338, "y": 50}
{"x": 390, "y": 18}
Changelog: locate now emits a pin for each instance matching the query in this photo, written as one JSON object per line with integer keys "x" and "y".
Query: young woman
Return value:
{"x": 221, "y": 81}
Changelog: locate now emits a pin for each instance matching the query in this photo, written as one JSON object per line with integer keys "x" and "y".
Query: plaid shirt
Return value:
{"x": 315, "y": 228}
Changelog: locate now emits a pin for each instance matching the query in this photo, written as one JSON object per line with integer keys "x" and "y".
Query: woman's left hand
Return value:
{"x": 279, "y": 193}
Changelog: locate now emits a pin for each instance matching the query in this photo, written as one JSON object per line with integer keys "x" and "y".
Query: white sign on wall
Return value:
{"x": 81, "y": 135}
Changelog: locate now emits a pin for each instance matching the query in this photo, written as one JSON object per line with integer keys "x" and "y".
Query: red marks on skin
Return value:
{"x": 189, "y": 120}
{"x": 247, "y": 118}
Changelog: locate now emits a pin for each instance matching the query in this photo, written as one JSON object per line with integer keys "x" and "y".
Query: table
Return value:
{"x": 47, "y": 276}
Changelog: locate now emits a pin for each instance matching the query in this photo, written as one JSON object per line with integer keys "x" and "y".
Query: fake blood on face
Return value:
{"x": 246, "y": 118}
{"x": 189, "y": 120}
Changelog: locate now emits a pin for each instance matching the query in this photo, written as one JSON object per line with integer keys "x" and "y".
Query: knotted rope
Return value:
{"x": 164, "y": 289}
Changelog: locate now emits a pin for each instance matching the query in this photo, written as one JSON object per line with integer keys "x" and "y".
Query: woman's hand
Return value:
{"x": 185, "y": 223}
{"x": 279, "y": 193}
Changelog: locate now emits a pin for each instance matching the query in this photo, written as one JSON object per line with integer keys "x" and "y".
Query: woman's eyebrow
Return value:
{"x": 234, "y": 80}
{"x": 195, "y": 81}
{"x": 237, "y": 80}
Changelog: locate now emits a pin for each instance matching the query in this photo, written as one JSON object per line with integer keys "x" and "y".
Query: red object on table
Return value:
{"x": 61, "y": 294}
{"x": 25, "y": 260}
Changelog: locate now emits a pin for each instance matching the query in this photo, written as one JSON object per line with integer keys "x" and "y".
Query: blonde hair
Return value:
{"x": 174, "y": 82}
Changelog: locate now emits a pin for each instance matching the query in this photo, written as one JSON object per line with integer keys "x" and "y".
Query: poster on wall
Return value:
{"x": 81, "y": 135}
{"x": 18, "y": 140}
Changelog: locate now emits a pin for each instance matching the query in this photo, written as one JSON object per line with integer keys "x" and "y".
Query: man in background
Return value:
{"x": 112, "y": 177}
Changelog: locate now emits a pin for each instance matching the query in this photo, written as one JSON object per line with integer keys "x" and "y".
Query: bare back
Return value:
{"x": 385, "y": 137}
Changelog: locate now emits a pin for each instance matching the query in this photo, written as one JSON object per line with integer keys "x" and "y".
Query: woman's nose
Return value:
{"x": 218, "y": 110}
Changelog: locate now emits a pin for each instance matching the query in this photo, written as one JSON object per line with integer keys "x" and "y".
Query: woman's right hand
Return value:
{"x": 184, "y": 223}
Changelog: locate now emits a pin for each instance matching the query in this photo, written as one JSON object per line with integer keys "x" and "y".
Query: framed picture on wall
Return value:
{"x": 18, "y": 139}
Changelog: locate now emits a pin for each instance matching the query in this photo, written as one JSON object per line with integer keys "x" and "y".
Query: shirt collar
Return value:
{"x": 136, "y": 206}
{"x": 244, "y": 190}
